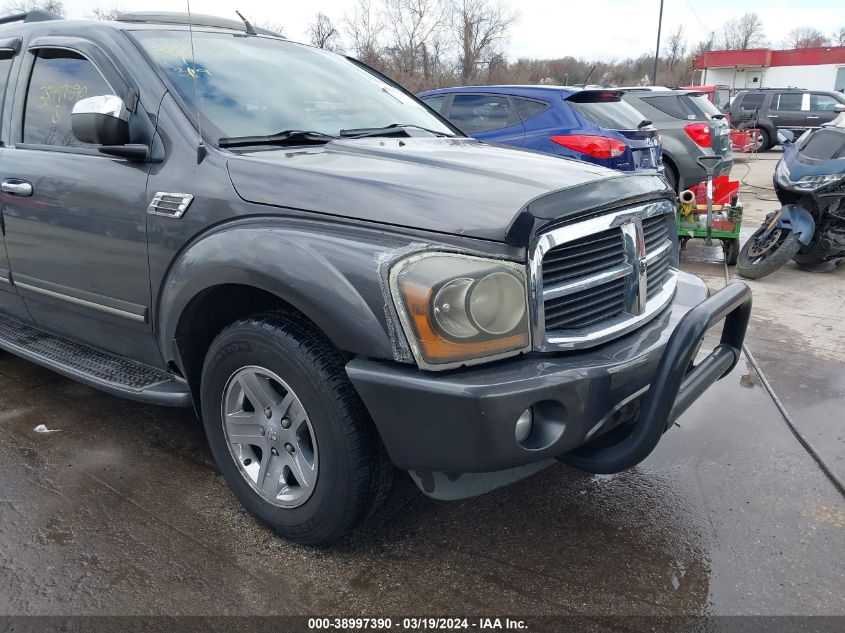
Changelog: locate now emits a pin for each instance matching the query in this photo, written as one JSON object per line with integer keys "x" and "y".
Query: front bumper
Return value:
{"x": 463, "y": 421}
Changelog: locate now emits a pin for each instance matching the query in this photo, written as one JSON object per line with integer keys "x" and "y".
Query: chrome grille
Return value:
{"x": 586, "y": 307}
{"x": 656, "y": 234}
{"x": 599, "y": 278}
{"x": 583, "y": 256}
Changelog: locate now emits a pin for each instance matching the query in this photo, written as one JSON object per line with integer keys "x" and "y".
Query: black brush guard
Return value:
{"x": 676, "y": 384}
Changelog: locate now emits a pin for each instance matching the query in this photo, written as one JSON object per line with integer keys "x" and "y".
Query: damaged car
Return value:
{"x": 334, "y": 277}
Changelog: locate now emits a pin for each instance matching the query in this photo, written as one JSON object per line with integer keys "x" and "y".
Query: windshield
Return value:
{"x": 257, "y": 86}
{"x": 823, "y": 144}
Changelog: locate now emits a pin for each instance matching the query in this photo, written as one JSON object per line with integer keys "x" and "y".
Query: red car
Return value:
{"x": 719, "y": 94}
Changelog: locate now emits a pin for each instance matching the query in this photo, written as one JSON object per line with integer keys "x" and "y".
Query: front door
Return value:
{"x": 822, "y": 109}
{"x": 788, "y": 111}
{"x": 10, "y": 301}
{"x": 75, "y": 219}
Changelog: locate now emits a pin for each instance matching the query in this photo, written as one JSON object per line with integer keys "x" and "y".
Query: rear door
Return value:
{"x": 487, "y": 117}
{"x": 789, "y": 110}
{"x": 821, "y": 109}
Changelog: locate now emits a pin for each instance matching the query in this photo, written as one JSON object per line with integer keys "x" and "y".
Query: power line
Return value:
{"x": 706, "y": 28}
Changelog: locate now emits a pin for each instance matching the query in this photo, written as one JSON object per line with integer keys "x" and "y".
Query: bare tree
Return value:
{"x": 677, "y": 64}
{"x": 22, "y": 6}
{"x": 364, "y": 29}
{"x": 106, "y": 15}
{"x": 676, "y": 48}
{"x": 479, "y": 27}
{"x": 744, "y": 32}
{"x": 413, "y": 27}
{"x": 323, "y": 33}
{"x": 269, "y": 25}
{"x": 837, "y": 38}
{"x": 806, "y": 37}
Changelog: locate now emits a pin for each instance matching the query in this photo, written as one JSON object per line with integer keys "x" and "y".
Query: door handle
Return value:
{"x": 16, "y": 187}
{"x": 812, "y": 117}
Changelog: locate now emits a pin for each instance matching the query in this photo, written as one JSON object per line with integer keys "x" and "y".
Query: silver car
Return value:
{"x": 691, "y": 126}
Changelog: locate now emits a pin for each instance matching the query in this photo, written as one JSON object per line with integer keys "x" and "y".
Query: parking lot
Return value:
{"x": 121, "y": 509}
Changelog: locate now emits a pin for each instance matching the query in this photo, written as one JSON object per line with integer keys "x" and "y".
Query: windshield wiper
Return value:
{"x": 389, "y": 130}
{"x": 288, "y": 137}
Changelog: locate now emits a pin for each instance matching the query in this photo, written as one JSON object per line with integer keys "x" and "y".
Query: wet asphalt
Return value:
{"x": 121, "y": 511}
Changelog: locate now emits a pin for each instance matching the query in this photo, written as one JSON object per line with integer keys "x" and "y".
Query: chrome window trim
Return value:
{"x": 638, "y": 309}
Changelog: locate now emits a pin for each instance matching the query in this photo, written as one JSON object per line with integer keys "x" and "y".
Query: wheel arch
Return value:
{"x": 673, "y": 165}
{"x": 242, "y": 270}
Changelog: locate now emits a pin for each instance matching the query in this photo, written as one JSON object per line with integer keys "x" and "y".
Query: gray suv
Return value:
{"x": 690, "y": 126}
{"x": 337, "y": 280}
{"x": 773, "y": 109}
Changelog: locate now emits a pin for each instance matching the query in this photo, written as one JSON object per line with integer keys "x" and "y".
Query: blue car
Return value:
{"x": 586, "y": 124}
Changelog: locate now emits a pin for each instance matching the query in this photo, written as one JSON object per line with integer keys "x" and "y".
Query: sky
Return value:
{"x": 593, "y": 29}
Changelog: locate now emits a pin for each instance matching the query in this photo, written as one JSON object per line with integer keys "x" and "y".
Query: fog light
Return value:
{"x": 523, "y": 425}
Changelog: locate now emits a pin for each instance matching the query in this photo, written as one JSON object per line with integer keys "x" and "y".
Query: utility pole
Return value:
{"x": 657, "y": 50}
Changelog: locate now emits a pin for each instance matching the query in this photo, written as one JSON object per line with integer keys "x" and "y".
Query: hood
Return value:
{"x": 455, "y": 186}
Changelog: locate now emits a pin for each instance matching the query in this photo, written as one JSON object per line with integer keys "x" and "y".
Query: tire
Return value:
{"x": 731, "y": 249}
{"x": 671, "y": 175}
{"x": 784, "y": 246}
{"x": 765, "y": 140}
{"x": 326, "y": 467}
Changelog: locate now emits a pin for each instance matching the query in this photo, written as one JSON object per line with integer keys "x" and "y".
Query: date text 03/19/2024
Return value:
{"x": 417, "y": 624}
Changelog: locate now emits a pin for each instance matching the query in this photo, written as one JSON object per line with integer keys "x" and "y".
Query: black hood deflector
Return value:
{"x": 586, "y": 200}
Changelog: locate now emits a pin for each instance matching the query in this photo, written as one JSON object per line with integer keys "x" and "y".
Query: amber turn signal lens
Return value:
{"x": 436, "y": 348}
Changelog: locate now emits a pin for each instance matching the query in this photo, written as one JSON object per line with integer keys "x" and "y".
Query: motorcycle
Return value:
{"x": 810, "y": 184}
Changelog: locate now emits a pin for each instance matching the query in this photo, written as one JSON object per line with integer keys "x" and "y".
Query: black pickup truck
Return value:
{"x": 337, "y": 280}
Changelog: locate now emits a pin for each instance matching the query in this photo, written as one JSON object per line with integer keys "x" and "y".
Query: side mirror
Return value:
{"x": 839, "y": 107}
{"x": 785, "y": 136}
{"x": 101, "y": 120}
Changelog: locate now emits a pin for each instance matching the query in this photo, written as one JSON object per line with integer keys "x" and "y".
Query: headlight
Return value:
{"x": 811, "y": 183}
{"x": 807, "y": 183}
{"x": 458, "y": 310}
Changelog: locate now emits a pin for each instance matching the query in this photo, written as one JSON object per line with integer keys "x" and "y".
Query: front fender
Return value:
{"x": 797, "y": 219}
{"x": 329, "y": 275}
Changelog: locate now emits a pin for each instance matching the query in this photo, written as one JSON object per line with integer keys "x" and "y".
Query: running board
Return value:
{"x": 94, "y": 367}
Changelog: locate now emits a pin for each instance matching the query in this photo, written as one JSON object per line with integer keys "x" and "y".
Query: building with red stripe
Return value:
{"x": 810, "y": 68}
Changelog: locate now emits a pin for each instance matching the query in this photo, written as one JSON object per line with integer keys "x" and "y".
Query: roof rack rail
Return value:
{"x": 174, "y": 17}
{"x": 37, "y": 15}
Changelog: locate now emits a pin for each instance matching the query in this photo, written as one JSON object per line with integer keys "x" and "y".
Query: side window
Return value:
{"x": 526, "y": 108}
{"x": 752, "y": 101}
{"x": 822, "y": 103}
{"x": 59, "y": 79}
{"x": 790, "y": 101}
{"x": 436, "y": 102}
{"x": 480, "y": 113}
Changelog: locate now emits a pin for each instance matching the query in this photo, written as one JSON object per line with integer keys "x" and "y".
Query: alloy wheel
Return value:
{"x": 270, "y": 437}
